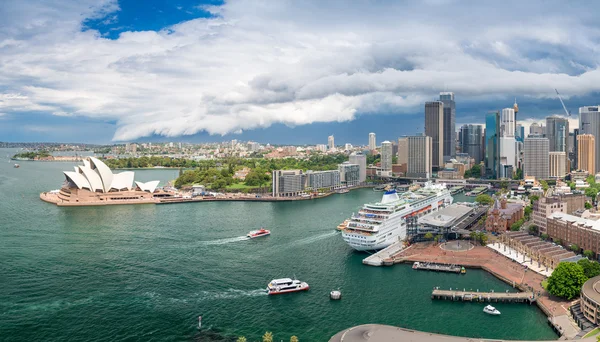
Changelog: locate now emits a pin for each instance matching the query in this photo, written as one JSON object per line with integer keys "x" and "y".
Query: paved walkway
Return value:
{"x": 520, "y": 258}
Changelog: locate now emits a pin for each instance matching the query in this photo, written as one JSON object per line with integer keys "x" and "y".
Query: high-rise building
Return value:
{"x": 536, "y": 129}
{"x": 288, "y": 182}
{"x": 330, "y": 142}
{"x": 520, "y": 132}
{"x": 589, "y": 123}
{"x": 349, "y": 173}
{"x": 471, "y": 137}
{"x": 586, "y": 149}
{"x": 507, "y": 123}
{"x": 492, "y": 144}
{"x": 402, "y": 150}
{"x": 323, "y": 179}
{"x": 447, "y": 98}
{"x": 434, "y": 128}
{"x": 386, "y": 158}
{"x": 348, "y": 147}
{"x": 508, "y": 156}
{"x": 575, "y": 150}
{"x": 557, "y": 163}
{"x": 360, "y": 160}
{"x": 557, "y": 132}
{"x": 419, "y": 156}
{"x": 535, "y": 157}
{"x": 321, "y": 147}
{"x": 372, "y": 142}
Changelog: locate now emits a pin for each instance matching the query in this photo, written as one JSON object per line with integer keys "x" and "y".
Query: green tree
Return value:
{"x": 241, "y": 339}
{"x": 533, "y": 229}
{"x": 575, "y": 248}
{"x": 590, "y": 268}
{"x": 588, "y": 205}
{"x": 544, "y": 185}
{"x": 268, "y": 337}
{"x": 566, "y": 280}
{"x": 588, "y": 254}
{"x": 428, "y": 236}
{"x": 527, "y": 212}
{"x": 557, "y": 241}
{"x": 544, "y": 236}
{"x": 591, "y": 192}
{"x": 533, "y": 198}
{"x": 293, "y": 339}
{"x": 484, "y": 199}
{"x": 439, "y": 237}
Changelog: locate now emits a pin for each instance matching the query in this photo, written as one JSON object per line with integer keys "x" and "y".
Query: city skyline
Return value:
{"x": 102, "y": 71}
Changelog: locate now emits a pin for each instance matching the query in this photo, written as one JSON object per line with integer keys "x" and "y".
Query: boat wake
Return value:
{"x": 230, "y": 294}
{"x": 312, "y": 239}
{"x": 225, "y": 241}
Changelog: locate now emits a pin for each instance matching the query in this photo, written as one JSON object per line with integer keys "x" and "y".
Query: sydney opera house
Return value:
{"x": 93, "y": 183}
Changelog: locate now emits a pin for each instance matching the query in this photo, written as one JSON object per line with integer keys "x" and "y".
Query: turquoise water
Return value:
{"x": 144, "y": 273}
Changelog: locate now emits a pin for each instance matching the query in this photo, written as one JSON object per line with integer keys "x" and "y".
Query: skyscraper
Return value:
{"x": 575, "y": 158}
{"x": 589, "y": 123}
{"x": 536, "y": 129}
{"x": 492, "y": 147}
{"x": 372, "y": 142}
{"x": 557, "y": 162}
{"x": 557, "y": 132}
{"x": 586, "y": 148}
{"x": 386, "y": 158}
{"x": 471, "y": 137}
{"x": 361, "y": 160}
{"x": 434, "y": 128}
{"x": 447, "y": 98}
{"x": 330, "y": 142}
{"x": 535, "y": 157}
{"x": 402, "y": 150}
{"x": 520, "y": 131}
{"x": 419, "y": 156}
{"x": 507, "y": 122}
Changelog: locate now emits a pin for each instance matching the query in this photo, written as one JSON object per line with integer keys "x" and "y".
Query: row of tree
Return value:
{"x": 32, "y": 155}
{"x": 267, "y": 337}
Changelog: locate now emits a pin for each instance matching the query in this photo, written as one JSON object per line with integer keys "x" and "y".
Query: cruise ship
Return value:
{"x": 378, "y": 225}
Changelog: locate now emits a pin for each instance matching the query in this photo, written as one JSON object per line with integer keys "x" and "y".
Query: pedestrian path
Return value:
{"x": 520, "y": 258}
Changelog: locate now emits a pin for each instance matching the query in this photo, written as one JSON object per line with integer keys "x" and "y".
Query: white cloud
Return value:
{"x": 259, "y": 63}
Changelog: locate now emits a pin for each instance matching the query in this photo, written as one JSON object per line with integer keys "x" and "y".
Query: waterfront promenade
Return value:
{"x": 503, "y": 268}
{"x": 386, "y": 333}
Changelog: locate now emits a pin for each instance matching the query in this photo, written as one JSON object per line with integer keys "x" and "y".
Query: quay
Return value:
{"x": 476, "y": 296}
{"x": 432, "y": 266}
{"x": 384, "y": 256}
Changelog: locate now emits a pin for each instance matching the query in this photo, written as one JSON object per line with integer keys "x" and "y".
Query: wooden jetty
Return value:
{"x": 431, "y": 266}
{"x": 473, "y": 296}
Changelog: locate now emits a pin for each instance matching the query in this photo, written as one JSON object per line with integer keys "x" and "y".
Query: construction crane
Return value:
{"x": 563, "y": 104}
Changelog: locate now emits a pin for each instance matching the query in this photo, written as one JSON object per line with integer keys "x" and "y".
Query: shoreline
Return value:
{"x": 502, "y": 268}
{"x": 230, "y": 197}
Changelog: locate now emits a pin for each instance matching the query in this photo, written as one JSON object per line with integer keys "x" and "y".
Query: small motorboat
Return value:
{"x": 335, "y": 295}
{"x": 415, "y": 265}
{"x": 491, "y": 310}
{"x": 16, "y": 166}
{"x": 258, "y": 233}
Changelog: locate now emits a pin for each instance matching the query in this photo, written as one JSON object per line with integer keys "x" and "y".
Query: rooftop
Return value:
{"x": 446, "y": 217}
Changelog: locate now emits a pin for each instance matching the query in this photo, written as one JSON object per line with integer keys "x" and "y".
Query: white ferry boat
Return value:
{"x": 286, "y": 285}
{"x": 378, "y": 225}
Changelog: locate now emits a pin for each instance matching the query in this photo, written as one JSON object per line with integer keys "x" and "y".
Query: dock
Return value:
{"x": 432, "y": 266}
{"x": 476, "y": 296}
{"x": 384, "y": 256}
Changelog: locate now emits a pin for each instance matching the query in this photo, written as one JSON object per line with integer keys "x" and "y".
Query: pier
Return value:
{"x": 384, "y": 256}
{"x": 476, "y": 296}
{"x": 431, "y": 266}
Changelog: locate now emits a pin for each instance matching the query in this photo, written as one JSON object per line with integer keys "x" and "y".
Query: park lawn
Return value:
{"x": 592, "y": 333}
{"x": 239, "y": 186}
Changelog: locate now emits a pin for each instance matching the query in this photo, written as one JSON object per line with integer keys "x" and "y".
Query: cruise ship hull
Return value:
{"x": 379, "y": 225}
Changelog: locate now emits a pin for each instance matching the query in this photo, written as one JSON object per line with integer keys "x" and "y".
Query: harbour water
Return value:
{"x": 146, "y": 272}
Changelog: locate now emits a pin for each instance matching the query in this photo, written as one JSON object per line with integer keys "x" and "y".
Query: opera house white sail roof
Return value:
{"x": 95, "y": 176}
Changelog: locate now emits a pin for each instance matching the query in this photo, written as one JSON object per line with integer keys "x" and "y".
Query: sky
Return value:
{"x": 104, "y": 71}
